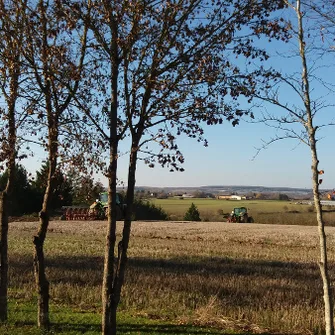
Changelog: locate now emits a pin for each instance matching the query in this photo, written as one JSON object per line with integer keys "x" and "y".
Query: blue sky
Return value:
{"x": 229, "y": 158}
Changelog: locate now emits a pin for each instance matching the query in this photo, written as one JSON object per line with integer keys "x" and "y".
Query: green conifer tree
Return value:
{"x": 192, "y": 214}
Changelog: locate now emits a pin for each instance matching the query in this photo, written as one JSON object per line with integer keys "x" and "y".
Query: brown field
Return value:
{"x": 248, "y": 275}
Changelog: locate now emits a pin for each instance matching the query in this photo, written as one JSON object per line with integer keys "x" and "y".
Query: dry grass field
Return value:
{"x": 249, "y": 277}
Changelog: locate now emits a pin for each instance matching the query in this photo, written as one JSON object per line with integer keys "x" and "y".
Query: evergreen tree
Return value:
{"x": 145, "y": 210}
{"x": 84, "y": 189}
{"x": 25, "y": 199}
{"x": 192, "y": 214}
{"x": 62, "y": 193}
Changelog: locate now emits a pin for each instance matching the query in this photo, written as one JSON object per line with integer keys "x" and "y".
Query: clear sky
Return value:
{"x": 229, "y": 158}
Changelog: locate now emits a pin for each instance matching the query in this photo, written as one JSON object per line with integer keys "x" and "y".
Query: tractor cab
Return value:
{"x": 240, "y": 211}
{"x": 103, "y": 198}
{"x": 240, "y": 214}
{"x": 120, "y": 206}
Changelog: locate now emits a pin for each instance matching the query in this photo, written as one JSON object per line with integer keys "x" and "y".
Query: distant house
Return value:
{"x": 231, "y": 197}
{"x": 238, "y": 197}
{"x": 187, "y": 195}
{"x": 223, "y": 197}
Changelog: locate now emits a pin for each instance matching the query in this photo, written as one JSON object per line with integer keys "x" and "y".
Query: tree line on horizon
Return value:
{"x": 28, "y": 190}
{"x": 71, "y": 190}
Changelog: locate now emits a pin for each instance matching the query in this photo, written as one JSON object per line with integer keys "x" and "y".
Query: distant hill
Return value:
{"x": 234, "y": 189}
{"x": 258, "y": 189}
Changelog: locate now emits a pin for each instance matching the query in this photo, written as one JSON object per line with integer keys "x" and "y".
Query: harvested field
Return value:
{"x": 248, "y": 275}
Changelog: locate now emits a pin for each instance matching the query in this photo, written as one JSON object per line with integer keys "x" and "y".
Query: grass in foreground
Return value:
{"x": 73, "y": 322}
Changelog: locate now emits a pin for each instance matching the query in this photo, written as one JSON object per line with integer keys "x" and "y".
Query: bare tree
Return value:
{"x": 11, "y": 36}
{"x": 160, "y": 69}
{"x": 299, "y": 118}
{"x": 55, "y": 59}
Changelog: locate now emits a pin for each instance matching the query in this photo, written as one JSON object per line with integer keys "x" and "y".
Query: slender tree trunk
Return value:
{"x": 113, "y": 314}
{"x": 3, "y": 257}
{"x": 42, "y": 283}
{"x": 115, "y": 280}
{"x": 56, "y": 102}
{"x": 323, "y": 264}
{"x": 311, "y": 130}
{"x": 6, "y": 195}
{"x": 123, "y": 245}
{"x": 5, "y": 198}
{"x": 109, "y": 302}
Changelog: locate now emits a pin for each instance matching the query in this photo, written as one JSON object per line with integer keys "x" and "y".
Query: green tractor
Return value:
{"x": 97, "y": 211}
{"x": 240, "y": 214}
{"x": 102, "y": 205}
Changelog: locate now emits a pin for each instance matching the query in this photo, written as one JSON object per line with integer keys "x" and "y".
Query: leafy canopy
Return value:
{"x": 174, "y": 66}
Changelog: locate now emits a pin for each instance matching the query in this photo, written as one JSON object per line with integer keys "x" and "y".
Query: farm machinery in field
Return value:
{"x": 97, "y": 211}
{"x": 241, "y": 215}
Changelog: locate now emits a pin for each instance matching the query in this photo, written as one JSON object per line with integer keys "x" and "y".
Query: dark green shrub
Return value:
{"x": 145, "y": 210}
{"x": 25, "y": 199}
{"x": 192, "y": 214}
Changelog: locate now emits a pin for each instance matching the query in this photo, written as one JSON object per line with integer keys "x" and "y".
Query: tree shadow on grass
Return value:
{"x": 169, "y": 329}
{"x": 254, "y": 284}
{"x": 78, "y": 328}
{"x": 228, "y": 266}
{"x": 206, "y": 266}
{"x": 135, "y": 328}
{"x": 224, "y": 266}
{"x": 275, "y": 275}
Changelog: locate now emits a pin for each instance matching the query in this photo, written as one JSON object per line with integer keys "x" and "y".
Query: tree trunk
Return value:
{"x": 108, "y": 319}
{"x": 42, "y": 284}
{"x": 114, "y": 278}
{"x": 113, "y": 313}
{"x": 122, "y": 257}
{"x": 4, "y": 257}
{"x": 109, "y": 301}
{"x": 124, "y": 243}
{"x": 5, "y": 198}
{"x": 311, "y": 130}
{"x": 7, "y": 193}
{"x": 323, "y": 264}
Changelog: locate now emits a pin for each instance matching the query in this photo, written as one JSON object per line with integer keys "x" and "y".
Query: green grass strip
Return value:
{"x": 22, "y": 321}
